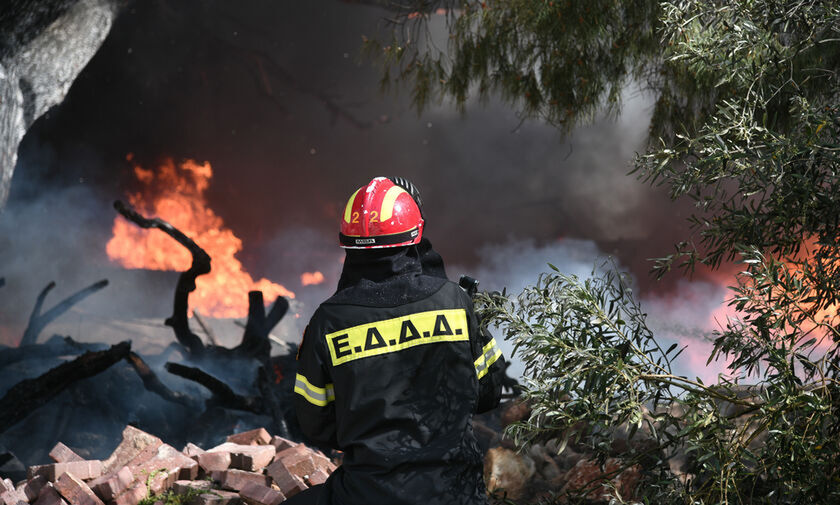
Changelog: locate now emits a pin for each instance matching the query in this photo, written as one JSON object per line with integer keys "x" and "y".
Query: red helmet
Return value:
{"x": 380, "y": 214}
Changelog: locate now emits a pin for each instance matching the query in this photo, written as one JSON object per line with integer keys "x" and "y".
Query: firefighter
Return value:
{"x": 393, "y": 366}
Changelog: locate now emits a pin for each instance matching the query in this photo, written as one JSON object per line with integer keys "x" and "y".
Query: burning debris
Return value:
{"x": 252, "y": 467}
{"x": 176, "y": 194}
{"x": 269, "y": 389}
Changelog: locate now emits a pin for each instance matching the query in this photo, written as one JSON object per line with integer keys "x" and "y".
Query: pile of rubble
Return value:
{"x": 250, "y": 467}
{"x": 552, "y": 471}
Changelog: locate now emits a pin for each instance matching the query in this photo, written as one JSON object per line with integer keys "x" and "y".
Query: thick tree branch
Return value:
{"x": 28, "y": 395}
{"x": 154, "y": 385}
{"x": 223, "y": 395}
{"x": 186, "y": 281}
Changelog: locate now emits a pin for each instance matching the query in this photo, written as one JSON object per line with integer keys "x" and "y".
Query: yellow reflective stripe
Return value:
{"x": 349, "y": 208}
{"x": 396, "y": 334}
{"x": 387, "y": 209}
{"x": 314, "y": 394}
{"x": 489, "y": 354}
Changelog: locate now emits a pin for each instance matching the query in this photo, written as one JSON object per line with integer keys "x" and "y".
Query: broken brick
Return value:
{"x": 62, "y": 454}
{"x": 32, "y": 488}
{"x": 317, "y": 477}
{"x": 49, "y": 496}
{"x": 185, "y": 486}
{"x": 251, "y": 458}
{"x": 236, "y": 479}
{"x": 254, "y": 437}
{"x": 81, "y": 469}
{"x": 289, "y": 483}
{"x": 302, "y": 467}
{"x": 217, "y": 497}
{"x": 13, "y": 497}
{"x": 75, "y": 491}
{"x": 191, "y": 450}
{"x": 281, "y": 443}
{"x": 109, "y": 486}
{"x": 133, "y": 442}
{"x": 214, "y": 461}
{"x": 156, "y": 473}
{"x": 133, "y": 495}
{"x": 256, "y": 494}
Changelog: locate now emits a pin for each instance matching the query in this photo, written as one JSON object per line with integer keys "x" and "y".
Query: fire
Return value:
{"x": 175, "y": 193}
{"x": 311, "y": 278}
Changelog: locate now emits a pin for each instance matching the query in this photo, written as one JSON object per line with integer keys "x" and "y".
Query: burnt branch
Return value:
{"x": 207, "y": 329}
{"x": 255, "y": 340}
{"x": 272, "y": 404}
{"x": 55, "y": 346}
{"x": 223, "y": 395}
{"x": 186, "y": 281}
{"x": 38, "y": 321}
{"x": 153, "y": 384}
{"x": 28, "y": 395}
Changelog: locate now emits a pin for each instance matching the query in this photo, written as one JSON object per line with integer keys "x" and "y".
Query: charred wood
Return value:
{"x": 223, "y": 395}
{"x": 30, "y": 394}
{"x": 255, "y": 340}
{"x": 186, "y": 281}
{"x": 153, "y": 384}
{"x": 207, "y": 329}
{"x": 271, "y": 403}
{"x": 55, "y": 346}
{"x": 38, "y": 321}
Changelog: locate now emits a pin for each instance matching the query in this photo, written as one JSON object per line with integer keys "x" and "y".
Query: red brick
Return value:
{"x": 49, "y": 496}
{"x": 289, "y": 483}
{"x": 13, "y": 497}
{"x": 76, "y": 491}
{"x": 281, "y": 443}
{"x": 32, "y": 487}
{"x": 192, "y": 450}
{"x": 81, "y": 469}
{"x": 317, "y": 477}
{"x": 131, "y": 496}
{"x": 254, "y": 437}
{"x": 302, "y": 467}
{"x": 255, "y": 494}
{"x": 184, "y": 486}
{"x": 293, "y": 452}
{"x": 161, "y": 470}
{"x": 217, "y": 497}
{"x": 214, "y": 461}
{"x": 236, "y": 479}
{"x": 251, "y": 458}
{"x": 134, "y": 441}
{"x": 62, "y": 454}
{"x": 109, "y": 486}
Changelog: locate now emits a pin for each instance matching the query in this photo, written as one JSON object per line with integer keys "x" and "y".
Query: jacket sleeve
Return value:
{"x": 314, "y": 396}
{"x": 489, "y": 366}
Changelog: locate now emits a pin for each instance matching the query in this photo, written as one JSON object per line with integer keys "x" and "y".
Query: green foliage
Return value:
{"x": 747, "y": 125}
{"x": 558, "y": 60}
{"x": 169, "y": 497}
{"x": 594, "y": 375}
{"x": 763, "y": 167}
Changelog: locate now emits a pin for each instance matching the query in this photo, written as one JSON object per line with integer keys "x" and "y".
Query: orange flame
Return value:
{"x": 311, "y": 278}
{"x": 176, "y": 194}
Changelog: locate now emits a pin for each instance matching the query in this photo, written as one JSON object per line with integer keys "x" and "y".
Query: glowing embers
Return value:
{"x": 175, "y": 193}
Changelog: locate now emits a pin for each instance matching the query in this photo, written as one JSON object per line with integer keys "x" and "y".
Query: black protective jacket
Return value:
{"x": 390, "y": 371}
